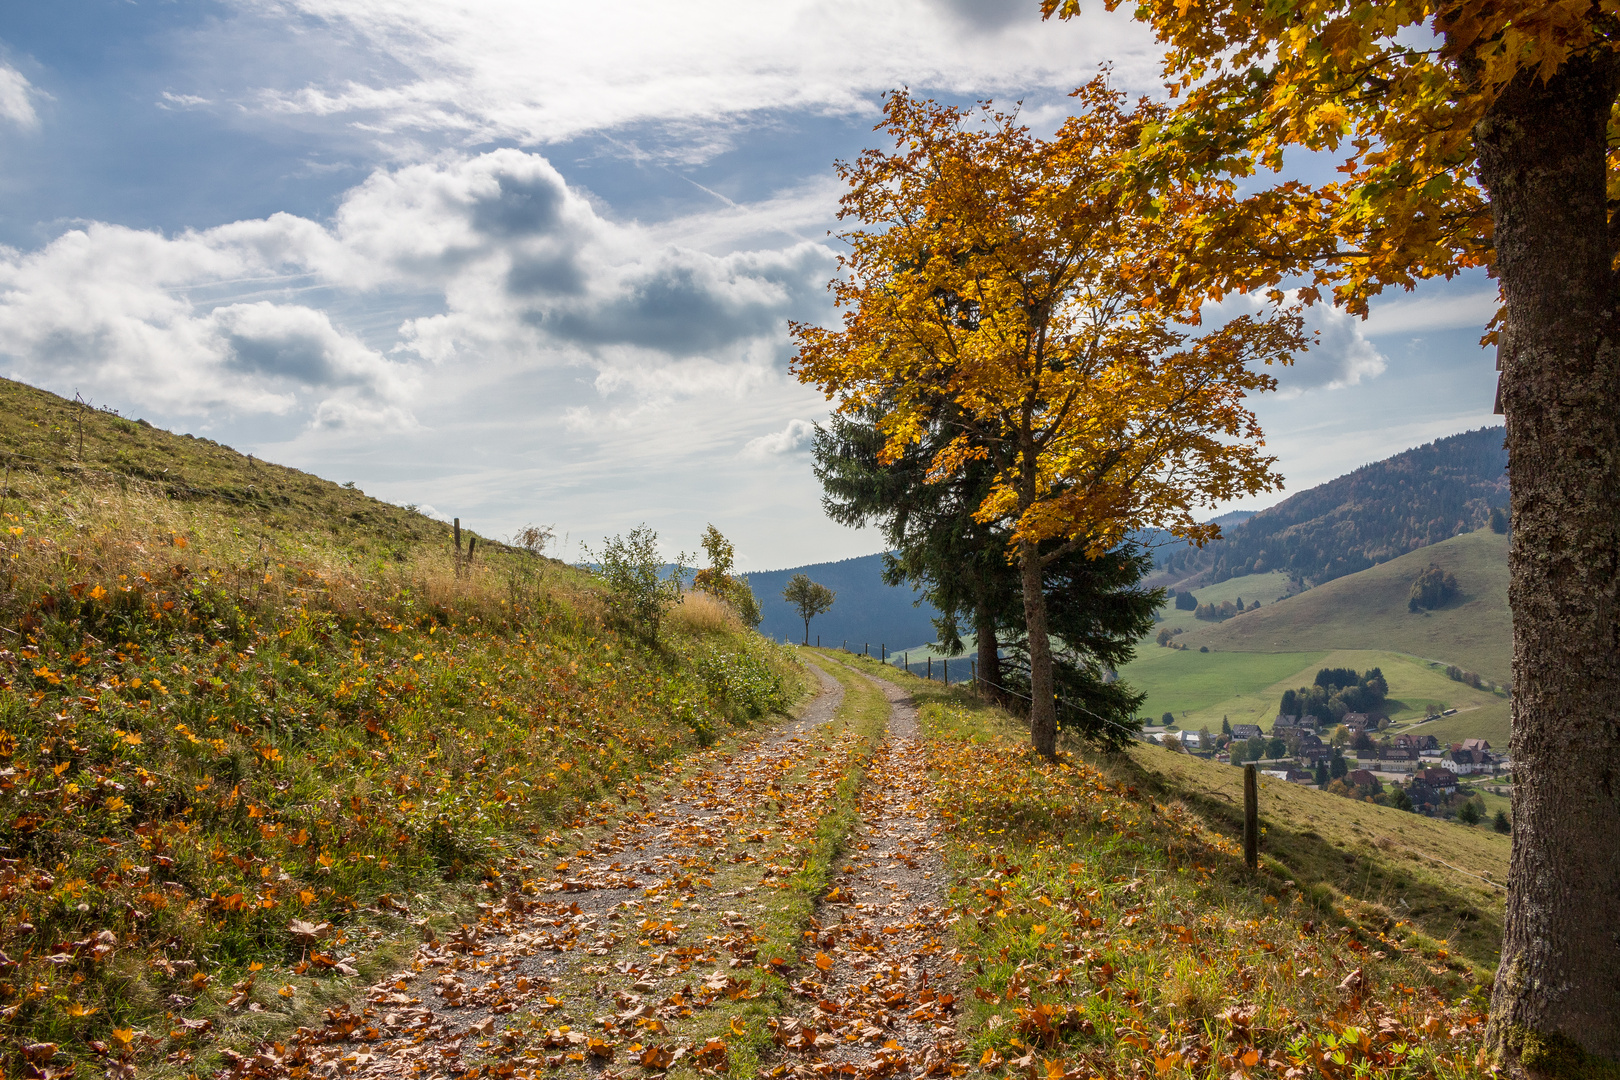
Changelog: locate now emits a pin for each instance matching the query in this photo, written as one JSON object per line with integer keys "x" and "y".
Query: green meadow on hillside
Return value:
{"x": 1368, "y": 610}
{"x": 1246, "y": 688}
{"x": 1492, "y": 722}
{"x": 1265, "y": 588}
{"x": 1196, "y": 686}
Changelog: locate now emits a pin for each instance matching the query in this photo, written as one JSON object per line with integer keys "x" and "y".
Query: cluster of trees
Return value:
{"x": 1432, "y": 588}
{"x": 1019, "y": 393}
{"x": 1337, "y": 691}
{"x": 1186, "y": 601}
{"x": 1469, "y": 678}
{"x": 1420, "y": 497}
{"x": 1096, "y": 607}
{"x": 1213, "y": 612}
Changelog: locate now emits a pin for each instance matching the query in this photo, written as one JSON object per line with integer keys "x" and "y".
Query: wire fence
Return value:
{"x": 967, "y": 672}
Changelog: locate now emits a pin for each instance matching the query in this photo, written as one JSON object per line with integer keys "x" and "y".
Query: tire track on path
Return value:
{"x": 880, "y": 995}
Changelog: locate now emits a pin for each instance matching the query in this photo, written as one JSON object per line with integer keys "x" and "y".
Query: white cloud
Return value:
{"x": 516, "y": 70}
{"x": 1418, "y": 316}
{"x": 183, "y": 101}
{"x": 16, "y": 98}
{"x": 793, "y": 439}
{"x": 523, "y": 272}
{"x": 1340, "y": 356}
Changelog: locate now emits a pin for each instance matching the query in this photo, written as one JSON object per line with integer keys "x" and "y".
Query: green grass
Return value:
{"x": 1109, "y": 892}
{"x": 1493, "y": 722}
{"x": 1111, "y": 927}
{"x": 1265, "y": 588}
{"x": 1200, "y": 686}
{"x": 40, "y": 437}
{"x": 1368, "y": 611}
{"x": 1424, "y": 870}
{"x": 223, "y": 713}
{"x": 1247, "y": 688}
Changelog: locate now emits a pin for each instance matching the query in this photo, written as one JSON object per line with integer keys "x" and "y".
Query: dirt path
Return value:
{"x": 617, "y": 959}
{"x": 880, "y": 995}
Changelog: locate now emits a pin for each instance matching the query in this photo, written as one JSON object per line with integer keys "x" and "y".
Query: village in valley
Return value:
{"x": 1360, "y": 757}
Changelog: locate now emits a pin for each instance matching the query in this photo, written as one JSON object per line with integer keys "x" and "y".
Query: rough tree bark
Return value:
{"x": 1542, "y": 147}
{"x": 989, "y": 657}
{"x": 1042, "y": 707}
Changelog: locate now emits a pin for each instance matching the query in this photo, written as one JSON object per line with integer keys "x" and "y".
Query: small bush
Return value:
{"x": 1433, "y": 588}
{"x": 632, "y": 569}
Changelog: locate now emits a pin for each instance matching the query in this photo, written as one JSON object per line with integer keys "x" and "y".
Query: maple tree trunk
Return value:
{"x": 1042, "y": 708}
{"x": 1556, "y": 1003}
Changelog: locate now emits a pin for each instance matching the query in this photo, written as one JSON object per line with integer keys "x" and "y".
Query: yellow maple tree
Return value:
{"x": 1012, "y": 286}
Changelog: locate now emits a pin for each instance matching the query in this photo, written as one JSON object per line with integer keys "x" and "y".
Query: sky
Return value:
{"x": 522, "y": 261}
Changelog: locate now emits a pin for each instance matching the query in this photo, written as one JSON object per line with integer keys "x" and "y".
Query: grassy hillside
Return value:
{"x": 235, "y": 698}
{"x": 60, "y": 442}
{"x": 1199, "y": 686}
{"x": 1202, "y": 688}
{"x": 1368, "y": 611}
{"x": 1266, "y": 588}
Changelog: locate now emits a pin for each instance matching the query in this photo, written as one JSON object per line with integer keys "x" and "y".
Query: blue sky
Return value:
{"x": 527, "y": 261}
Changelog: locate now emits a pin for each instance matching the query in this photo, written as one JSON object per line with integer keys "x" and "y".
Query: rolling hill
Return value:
{"x": 1368, "y": 611}
{"x": 1367, "y": 517}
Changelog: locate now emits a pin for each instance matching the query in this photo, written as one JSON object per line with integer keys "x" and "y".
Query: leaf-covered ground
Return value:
{"x": 891, "y": 885}
{"x": 216, "y": 735}
{"x": 672, "y": 940}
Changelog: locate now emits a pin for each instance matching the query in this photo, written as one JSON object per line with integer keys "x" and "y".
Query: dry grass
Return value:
{"x": 700, "y": 613}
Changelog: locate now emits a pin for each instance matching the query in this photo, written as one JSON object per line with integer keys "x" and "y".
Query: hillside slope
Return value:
{"x": 1368, "y": 610}
{"x": 237, "y": 701}
{"x": 1366, "y": 517}
{"x": 46, "y": 436}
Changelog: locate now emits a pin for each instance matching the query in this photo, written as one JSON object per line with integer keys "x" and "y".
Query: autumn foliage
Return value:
{"x": 1014, "y": 289}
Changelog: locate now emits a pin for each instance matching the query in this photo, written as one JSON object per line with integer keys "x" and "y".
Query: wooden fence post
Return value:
{"x": 945, "y": 675}
{"x": 456, "y": 529}
{"x": 1251, "y": 817}
{"x": 930, "y": 669}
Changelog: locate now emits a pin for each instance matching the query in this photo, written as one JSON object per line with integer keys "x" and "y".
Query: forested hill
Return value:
{"x": 866, "y": 609}
{"x": 1366, "y": 517}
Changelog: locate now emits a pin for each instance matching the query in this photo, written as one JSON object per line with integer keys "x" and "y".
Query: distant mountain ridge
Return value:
{"x": 1376, "y": 513}
{"x": 865, "y": 610}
